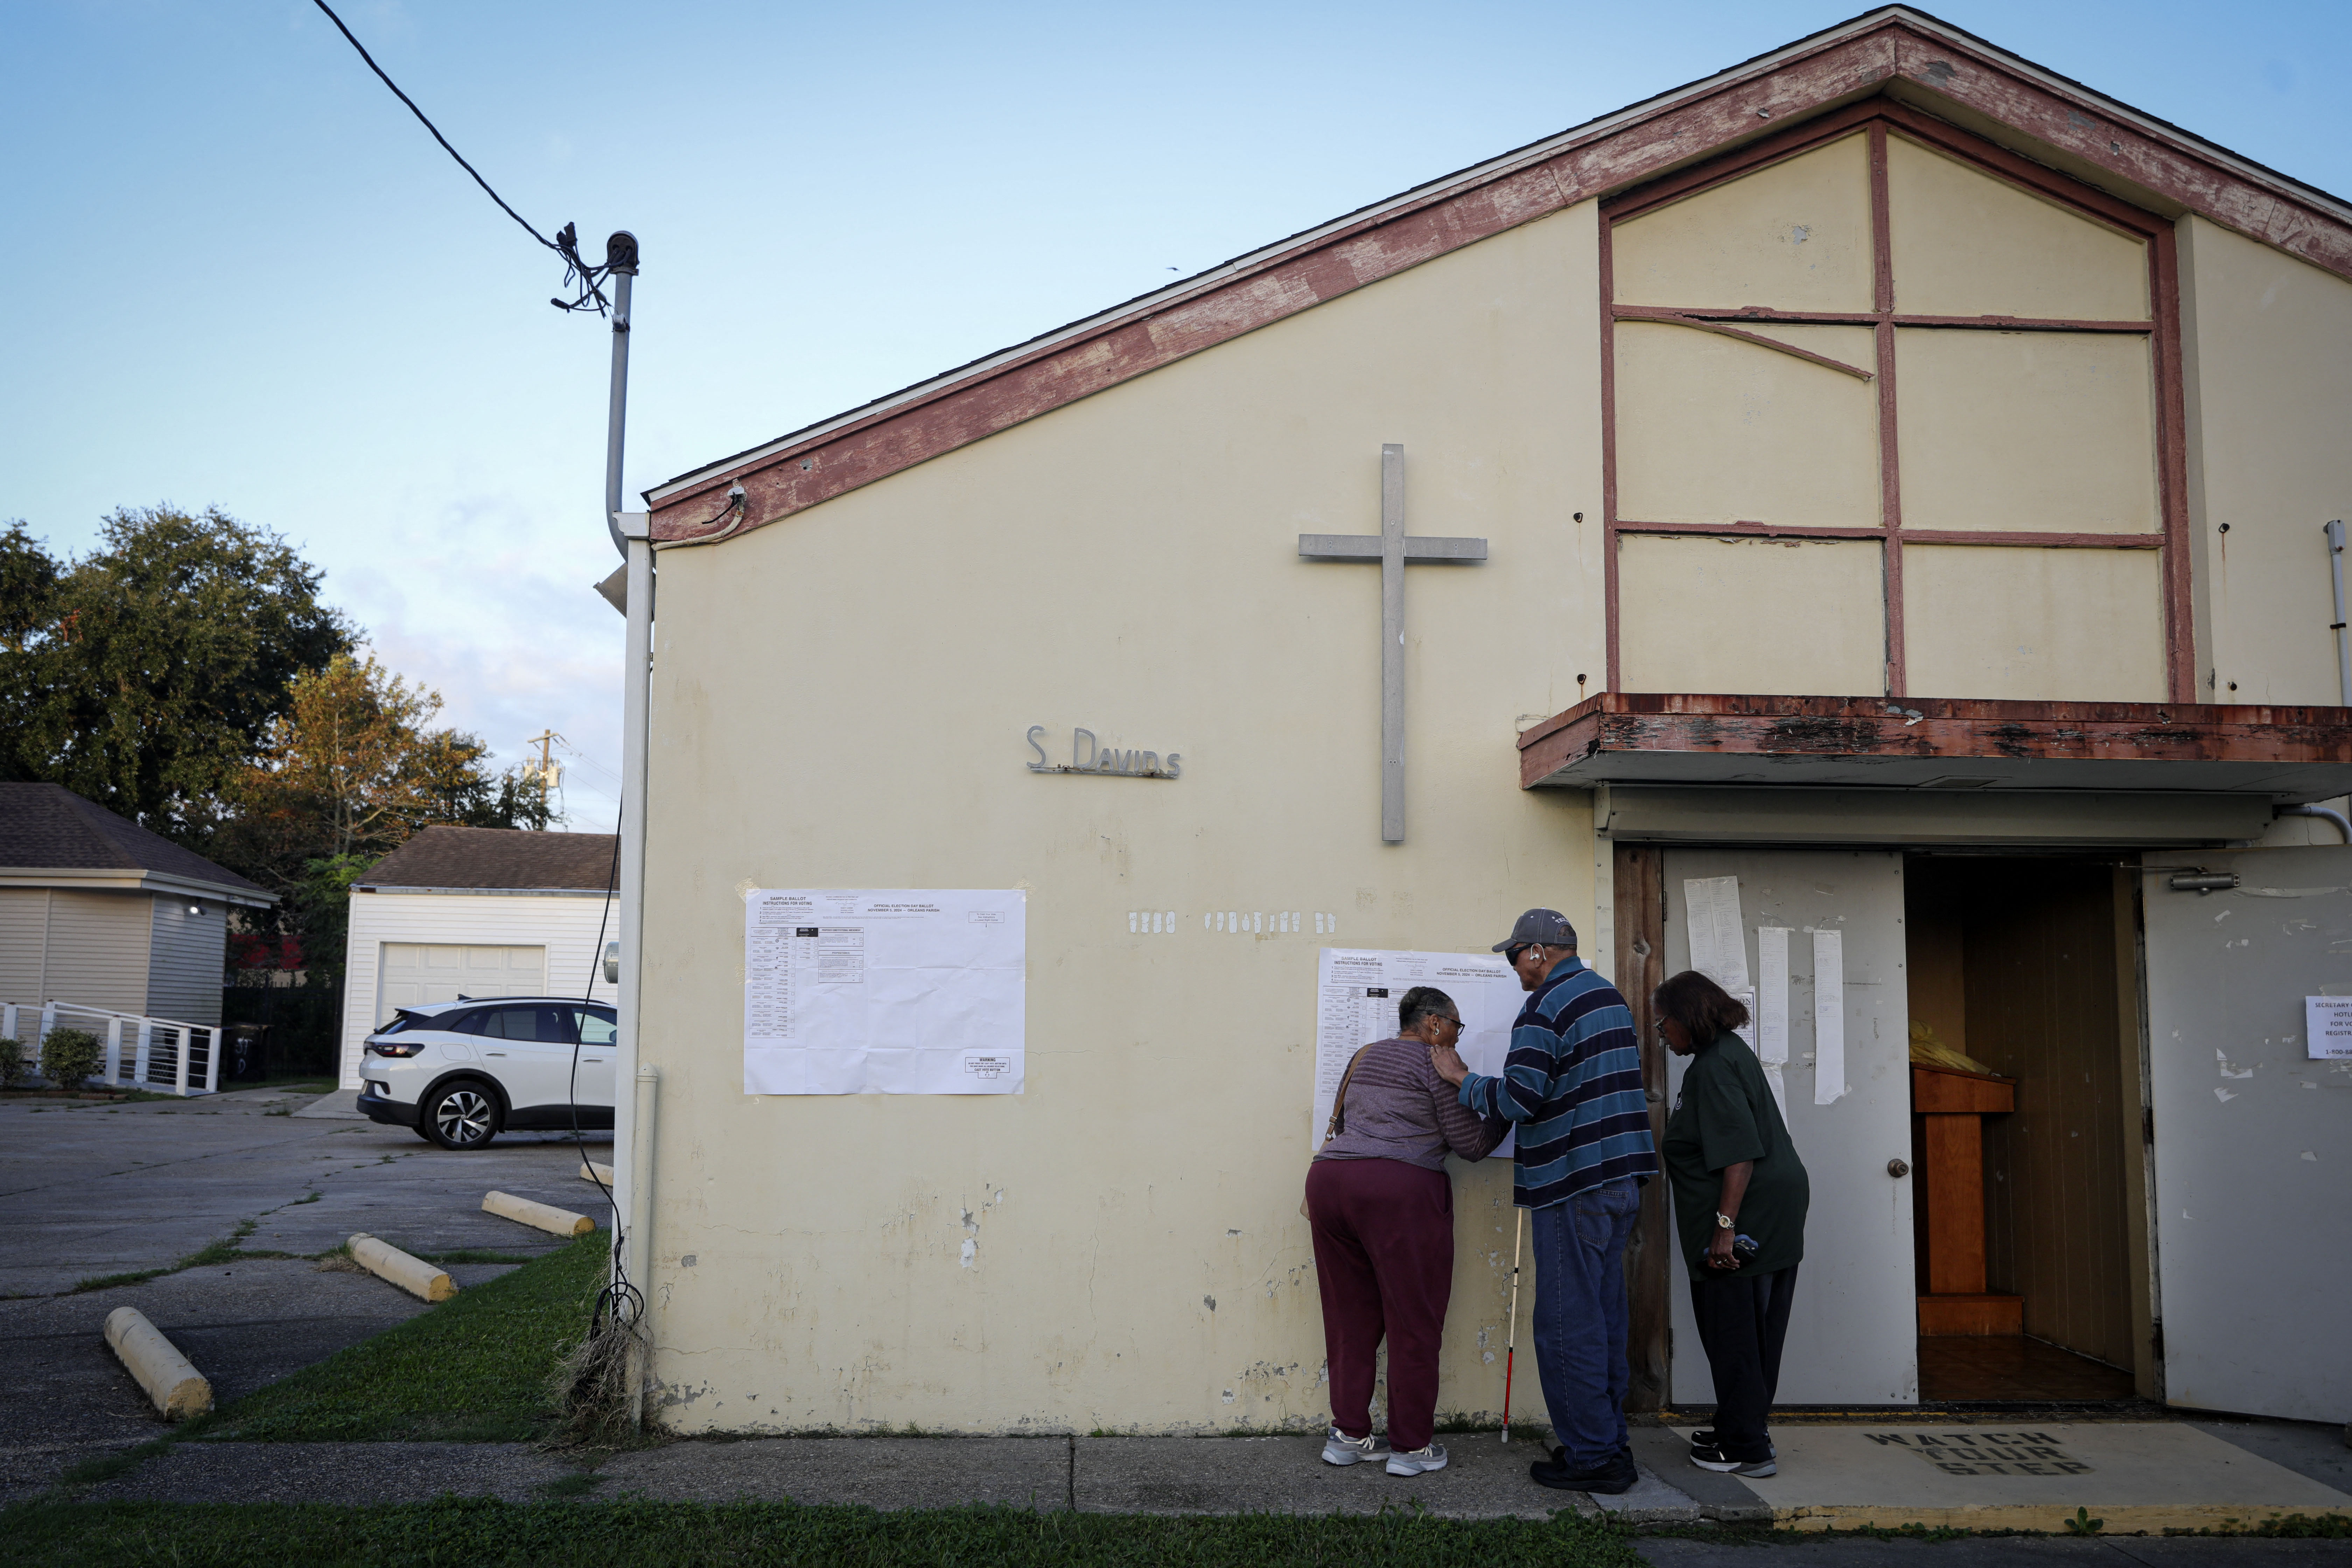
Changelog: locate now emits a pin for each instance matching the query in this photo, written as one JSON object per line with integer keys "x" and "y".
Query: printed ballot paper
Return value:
{"x": 883, "y": 990}
{"x": 1356, "y": 996}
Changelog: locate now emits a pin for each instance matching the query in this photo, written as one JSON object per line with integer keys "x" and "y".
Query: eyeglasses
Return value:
{"x": 1511, "y": 955}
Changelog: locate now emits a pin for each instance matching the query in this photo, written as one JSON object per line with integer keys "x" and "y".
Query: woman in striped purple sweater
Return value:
{"x": 1383, "y": 1210}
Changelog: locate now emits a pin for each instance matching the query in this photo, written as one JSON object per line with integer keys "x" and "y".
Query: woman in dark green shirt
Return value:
{"x": 1739, "y": 1206}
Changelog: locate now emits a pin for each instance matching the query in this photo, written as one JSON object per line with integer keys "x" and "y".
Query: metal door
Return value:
{"x": 529, "y": 1047}
{"x": 1855, "y": 1336}
{"x": 592, "y": 1076}
{"x": 2252, "y": 1137}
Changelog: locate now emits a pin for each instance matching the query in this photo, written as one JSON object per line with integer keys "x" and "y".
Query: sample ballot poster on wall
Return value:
{"x": 1357, "y": 993}
{"x": 883, "y": 990}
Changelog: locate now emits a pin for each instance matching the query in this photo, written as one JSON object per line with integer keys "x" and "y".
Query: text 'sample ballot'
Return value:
{"x": 1357, "y": 993}
{"x": 883, "y": 990}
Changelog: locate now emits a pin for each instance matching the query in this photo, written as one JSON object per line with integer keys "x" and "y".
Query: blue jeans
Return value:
{"x": 1579, "y": 1317}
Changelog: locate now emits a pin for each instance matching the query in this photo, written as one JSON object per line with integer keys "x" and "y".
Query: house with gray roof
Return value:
{"x": 98, "y": 912}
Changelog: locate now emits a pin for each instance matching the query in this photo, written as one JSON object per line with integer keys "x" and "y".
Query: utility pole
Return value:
{"x": 548, "y": 771}
{"x": 634, "y": 1099}
{"x": 620, "y": 256}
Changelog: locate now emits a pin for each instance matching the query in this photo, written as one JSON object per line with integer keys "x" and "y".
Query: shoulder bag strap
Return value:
{"x": 1338, "y": 1122}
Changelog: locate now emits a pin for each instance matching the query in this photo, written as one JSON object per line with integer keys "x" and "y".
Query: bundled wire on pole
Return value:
{"x": 594, "y": 1381}
{"x": 577, "y": 274}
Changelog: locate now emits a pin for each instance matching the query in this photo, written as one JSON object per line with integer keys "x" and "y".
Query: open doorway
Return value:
{"x": 2031, "y": 1217}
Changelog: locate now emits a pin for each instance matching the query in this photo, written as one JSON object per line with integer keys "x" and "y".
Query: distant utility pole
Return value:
{"x": 547, "y": 771}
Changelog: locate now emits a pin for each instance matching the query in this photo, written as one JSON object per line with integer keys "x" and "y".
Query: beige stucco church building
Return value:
{"x": 1887, "y": 474}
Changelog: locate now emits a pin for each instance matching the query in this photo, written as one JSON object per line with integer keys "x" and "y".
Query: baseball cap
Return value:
{"x": 1548, "y": 927}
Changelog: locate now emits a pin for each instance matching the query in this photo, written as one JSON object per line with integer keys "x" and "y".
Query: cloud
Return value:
{"x": 488, "y": 605}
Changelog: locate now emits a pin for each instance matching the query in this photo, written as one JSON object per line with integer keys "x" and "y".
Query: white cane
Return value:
{"x": 1511, "y": 1341}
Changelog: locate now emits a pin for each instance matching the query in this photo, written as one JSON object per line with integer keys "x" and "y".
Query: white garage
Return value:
{"x": 475, "y": 912}
{"x": 410, "y": 973}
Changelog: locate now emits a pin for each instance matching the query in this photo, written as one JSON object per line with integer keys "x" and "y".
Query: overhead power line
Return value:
{"x": 566, "y": 244}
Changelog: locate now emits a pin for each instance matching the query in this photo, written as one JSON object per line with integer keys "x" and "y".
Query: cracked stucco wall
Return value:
{"x": 841, "y": 701}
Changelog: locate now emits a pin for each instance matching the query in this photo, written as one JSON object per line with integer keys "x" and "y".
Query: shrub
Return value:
{"x": 12, "y": 1064}
{"x": 69, "y": 1055}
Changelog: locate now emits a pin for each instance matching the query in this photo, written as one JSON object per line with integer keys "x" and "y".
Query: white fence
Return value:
{"x": 162, "y": 1056}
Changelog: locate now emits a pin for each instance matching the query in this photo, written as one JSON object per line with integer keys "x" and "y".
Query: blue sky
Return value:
{"x": 238, "y": 273}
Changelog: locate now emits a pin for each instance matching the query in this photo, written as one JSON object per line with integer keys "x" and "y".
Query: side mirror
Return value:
{"x": 611, "y": 963}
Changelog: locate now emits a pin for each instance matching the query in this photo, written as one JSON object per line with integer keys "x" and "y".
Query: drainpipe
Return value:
{"x": 2343, "y": 824}
{"x": 620, "y": 256}
{"x": 633, "y": 1131}
{"x": 2335, "y": 531}
{"x": 647, "y": 1085}
{"x": 632, "y": 536}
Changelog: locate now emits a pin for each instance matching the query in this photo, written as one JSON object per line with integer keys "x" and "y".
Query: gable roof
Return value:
{"x": 497, "y": 859}
{"x": 50, "y": 837}
{"x": 1897, "y": 51}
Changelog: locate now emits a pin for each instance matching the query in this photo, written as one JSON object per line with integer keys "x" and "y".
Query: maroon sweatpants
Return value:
{"x": 1384, "y": 1258}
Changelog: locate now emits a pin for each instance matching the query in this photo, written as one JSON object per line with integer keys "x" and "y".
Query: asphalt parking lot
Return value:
{"x": 97, "y": 1190}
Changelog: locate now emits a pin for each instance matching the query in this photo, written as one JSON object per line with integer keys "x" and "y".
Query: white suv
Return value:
{"x": 459, "y": 1073}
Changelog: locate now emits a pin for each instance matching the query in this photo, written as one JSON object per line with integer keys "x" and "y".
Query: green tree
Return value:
{"x": 28, "y": 589}
{"x": 347, "y": 773}
{"x": 144, "y": 675}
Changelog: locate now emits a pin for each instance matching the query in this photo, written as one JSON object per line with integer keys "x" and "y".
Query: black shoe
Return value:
{"x": 1706, "y": 1457}
{"x": 1624, "y": 1452}
{"x": 1708, "y": 1438}
{"x": 1614, "y": 1476}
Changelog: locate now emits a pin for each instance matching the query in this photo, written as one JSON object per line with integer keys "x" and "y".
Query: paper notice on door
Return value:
{"x": 1828, "y": 1016}
{"x": 1718, "y": 943}
{"x": 1356, "y": 995}
{"x": 2327, "y": 1028}
{"x": 889, "y": 991}
{"x": 1772, "y": 1008}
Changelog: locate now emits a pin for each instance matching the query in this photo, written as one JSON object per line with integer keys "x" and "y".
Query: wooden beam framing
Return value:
{"x": 1896, "y": 657}
{"x": 1875, "y": 119}
{"x": 1638, "y": 873}
{"x": 1675, "y": 319}
{"x": 1746, "y": 530}
{"x": 1939, "y": 728}
{"x": 1844, "y": 72}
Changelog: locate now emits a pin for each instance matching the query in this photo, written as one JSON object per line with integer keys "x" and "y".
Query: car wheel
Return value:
{"x": 461, "y": 1116}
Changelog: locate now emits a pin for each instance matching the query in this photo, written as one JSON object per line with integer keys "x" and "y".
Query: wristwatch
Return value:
{"x": 1724, "y": 1221}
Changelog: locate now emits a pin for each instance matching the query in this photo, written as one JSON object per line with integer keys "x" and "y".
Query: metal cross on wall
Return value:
{"x": 1393, "y": 548}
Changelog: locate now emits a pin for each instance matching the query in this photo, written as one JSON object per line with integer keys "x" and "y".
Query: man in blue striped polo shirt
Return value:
{"x": 1571, "y": 1087}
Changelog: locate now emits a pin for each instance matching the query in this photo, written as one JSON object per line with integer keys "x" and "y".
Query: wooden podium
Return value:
{"x": 1955, "y": 1105}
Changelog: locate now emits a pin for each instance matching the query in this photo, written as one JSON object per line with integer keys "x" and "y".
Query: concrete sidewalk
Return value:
{"x": 1283, "y": 1474}
{"x": 2139, "y": 1477}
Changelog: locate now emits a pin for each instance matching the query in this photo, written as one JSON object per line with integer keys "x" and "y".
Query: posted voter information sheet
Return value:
{"x": 1357, "y": 993}
{"x": 883, "y": 990}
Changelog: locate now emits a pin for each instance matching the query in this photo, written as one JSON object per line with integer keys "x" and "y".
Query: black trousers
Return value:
{"x": 1742, "y": 1320}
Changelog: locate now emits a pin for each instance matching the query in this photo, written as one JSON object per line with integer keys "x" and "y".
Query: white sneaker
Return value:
{"x": 1340, "y": 1449}
{"x": 1412, "y": 1464}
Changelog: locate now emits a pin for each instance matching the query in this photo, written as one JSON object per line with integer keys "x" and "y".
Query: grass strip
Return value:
{"x": 486, "y": 1534}
{"x": 473, "y": 1369}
